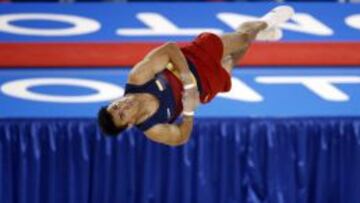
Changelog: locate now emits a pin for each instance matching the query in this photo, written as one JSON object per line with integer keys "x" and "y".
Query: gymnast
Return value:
{"x": 172, "y": 80}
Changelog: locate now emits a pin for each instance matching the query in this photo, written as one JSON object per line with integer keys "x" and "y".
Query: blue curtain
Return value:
{"x": 311, "y": 160}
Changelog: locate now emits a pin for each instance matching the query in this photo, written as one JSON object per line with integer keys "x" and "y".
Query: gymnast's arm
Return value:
{"x": 177, "y": 134}
{"x": 172, "y": 134}
{"x": 156, "y": 61}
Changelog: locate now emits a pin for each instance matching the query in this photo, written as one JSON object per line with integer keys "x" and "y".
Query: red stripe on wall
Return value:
{"x": 304, "y": 53}
{"x": 127, "y": 54}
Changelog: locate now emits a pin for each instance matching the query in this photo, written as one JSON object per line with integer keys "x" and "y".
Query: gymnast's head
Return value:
{"x": 118, "y": 116}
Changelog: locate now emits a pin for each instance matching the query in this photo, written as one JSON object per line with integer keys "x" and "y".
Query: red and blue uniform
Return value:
{"x": 204, "y": 56}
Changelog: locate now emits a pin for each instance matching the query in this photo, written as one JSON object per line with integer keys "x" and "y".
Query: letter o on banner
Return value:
{"x": 353, "y": 21}
{"x": 80, "y": 26}
{"x": 20, "y": 89}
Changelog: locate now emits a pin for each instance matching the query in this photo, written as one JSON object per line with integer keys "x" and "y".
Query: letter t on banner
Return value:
{"x": 160, "y": 26}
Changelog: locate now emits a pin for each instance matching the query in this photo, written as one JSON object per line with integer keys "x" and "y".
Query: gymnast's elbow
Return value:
{"x": 177, "y": 143}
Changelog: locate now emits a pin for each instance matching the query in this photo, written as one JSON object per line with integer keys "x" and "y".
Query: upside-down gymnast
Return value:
{"x": 171, "y": 81}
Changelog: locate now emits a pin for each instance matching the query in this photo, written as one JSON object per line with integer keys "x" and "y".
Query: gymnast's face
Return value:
{"x": 123, "y": 111}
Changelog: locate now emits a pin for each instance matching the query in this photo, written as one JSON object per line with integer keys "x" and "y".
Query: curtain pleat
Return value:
{"x": 297, "y": 160}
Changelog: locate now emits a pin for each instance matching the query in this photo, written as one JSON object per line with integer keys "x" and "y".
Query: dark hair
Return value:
{"x": 107, "y": 124}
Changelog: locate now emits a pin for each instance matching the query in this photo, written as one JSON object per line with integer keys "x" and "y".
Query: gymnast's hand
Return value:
{"x": 190, "y": 99}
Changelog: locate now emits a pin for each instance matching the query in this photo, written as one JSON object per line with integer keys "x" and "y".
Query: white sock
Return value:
{"x": 278, "y": 15}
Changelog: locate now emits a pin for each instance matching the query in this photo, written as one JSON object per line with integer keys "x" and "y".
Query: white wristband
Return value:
{"x": 189, "y": 86}
{"x": 188, "y": 113}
